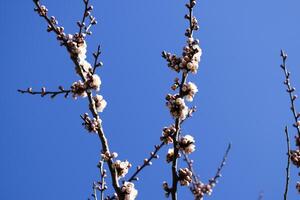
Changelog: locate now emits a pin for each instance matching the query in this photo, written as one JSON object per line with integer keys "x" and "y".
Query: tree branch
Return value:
{"x": 96, "y": 57}
{"x": 288, "y": 165}
{"x": 92, "y": 106}
{"x": 291, "y": 91}
{"x": 43, "y": 92}
{"x": 147, "y": 162}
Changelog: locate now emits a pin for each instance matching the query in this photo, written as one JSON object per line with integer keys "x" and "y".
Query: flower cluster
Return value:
{"x": 100, "y": 103}
{"x": 42, "y": 11}
{"x": 177, "y": 106}
{"x": 129, "y": 191}
{"x": 92, "y": 125}
{"x": 295, "y": 157}
{"x": 189, "y": 90}
{"x": 189, "y": 62}
{"x": 107, "y": 155}
{"x": 167, "y": 134}
{"x": 200, "y": 189}
{"x": 121, "y": 167}
{"x": 187, "y": 144}
{"x": 93, "y": 82}
{"x": 78, "y": 89}
{"x": 185, "y": 176}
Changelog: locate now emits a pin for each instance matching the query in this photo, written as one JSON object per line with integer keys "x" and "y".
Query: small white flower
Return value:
{"x": 94, "y": 82}
{"x": 187, "y": 144}
{"x": 100, "y": 103}
{"x": 121, "y": 167}
{"x": 170, "y": 155}
{"x": 191, "y": 89}
{"x": 85, "y": 65}
{"x": 129, "y": 190}
{"x": 78, "y": 89}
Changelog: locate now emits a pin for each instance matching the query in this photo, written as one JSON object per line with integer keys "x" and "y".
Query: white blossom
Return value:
{"x": 78, "y": 89}
{"x": 100, "y": 103}
{"x": 129, "y": 191}
{"x": 85, "y": 65}
{"x": 94, "y": 82}
{"x": 121, "y": 167}
{"x": 185, "y": 176}
{"x": 187, "y": 144}
{"x": 189, "y": 89}
{"x": 177, "y": 107}
{"x": 170, "y": 155}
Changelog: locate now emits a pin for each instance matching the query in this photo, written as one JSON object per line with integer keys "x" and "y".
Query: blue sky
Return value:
{"x": 46, "y": 154}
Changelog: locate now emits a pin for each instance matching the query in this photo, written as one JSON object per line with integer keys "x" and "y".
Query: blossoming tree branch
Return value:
{"x": 88, "y": 86}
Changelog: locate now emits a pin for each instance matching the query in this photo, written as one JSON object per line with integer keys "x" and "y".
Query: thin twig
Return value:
{"x": 102, "y": 182}
{"x": 95, "y": 191}
{"x": 96, "y": 57}
{"x": 191, "y": 168}
{"x": 218, "y": 173}
{"x": 81, "y": 25}
{"x": 288, "y": 164}
{"x": 147, "y": 162}
{"x": 290, "y": 90}
{"x": 50, "y": 23}
{"x": 43, "y": 92}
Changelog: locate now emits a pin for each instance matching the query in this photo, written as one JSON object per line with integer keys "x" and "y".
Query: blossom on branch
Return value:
{"x": 100, "y": 103}
{"x": 177, "y": 106}
{"x": 78, "y": 89}
{"x": 121, "y": 167}
{"x": 189, "y": 90}
{"x": 129, "y": 191}
{"x": 185, "y": 176}
{"x": 187, "y": 144}
{"x": 167, "y": 134}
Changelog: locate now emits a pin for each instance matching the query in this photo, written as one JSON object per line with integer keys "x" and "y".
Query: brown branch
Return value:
{"x": 285, "y": 195}
{"x": 218, "y": 173}
{"x": 92, "y": 106}
{"x": 102, "y": 137}
{"x": 81, "y": 24}
{"x": 103, "y": 186}
{"x": 191, "y": 168}
{"x": 290, "y": 90}
{"x": 51, "y": 25}
{"x": 86, "y": 14}
{"x": 198, "y": 188}
{"x": 43, "y": 92}
{"x": 96, "y": 57}
{"x": 147, "y": 162}
{"x": 175, "y": 144}
{"x": 189, "y": 33}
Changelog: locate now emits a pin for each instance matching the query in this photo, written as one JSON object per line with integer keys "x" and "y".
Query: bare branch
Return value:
{"x": 43, "y": 92}
{"x": 83, "y": 28}
{"x": 288, "y": 165}
{"x": 290, "y": 90}
{"x": 96, "y": 57}
{"x": 52, "y": 22}
{"x": 218, "y": 173}
{"x": 147, "y": 162}
{"x": 198, "y": 188}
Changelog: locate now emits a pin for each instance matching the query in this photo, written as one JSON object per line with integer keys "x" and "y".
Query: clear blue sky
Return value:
{"x": 46, "y": 154}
